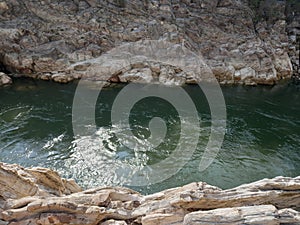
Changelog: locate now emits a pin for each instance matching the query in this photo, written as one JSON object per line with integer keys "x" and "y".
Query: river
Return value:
{"x": 261, "y": 140}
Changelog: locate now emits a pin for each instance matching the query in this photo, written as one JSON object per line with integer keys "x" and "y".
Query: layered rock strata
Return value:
{"x": 40, "y": 196}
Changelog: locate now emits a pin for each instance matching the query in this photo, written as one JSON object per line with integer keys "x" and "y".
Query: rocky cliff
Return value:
{"x": 40, "y": 196}
{"x": 249, "y": 42}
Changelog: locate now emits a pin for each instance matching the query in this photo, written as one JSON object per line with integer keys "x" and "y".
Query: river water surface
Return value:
{"x": 261, "y": 141}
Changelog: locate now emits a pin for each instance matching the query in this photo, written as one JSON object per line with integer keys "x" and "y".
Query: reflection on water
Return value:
{"x": 262, "y": 135}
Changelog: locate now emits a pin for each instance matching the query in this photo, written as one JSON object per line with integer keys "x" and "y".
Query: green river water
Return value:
{"x": 261, "y": 141}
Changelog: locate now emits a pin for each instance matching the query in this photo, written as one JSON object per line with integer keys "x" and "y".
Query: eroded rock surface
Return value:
{"x": 18, "y": 182}
{"x": 40, "y": 196}
{"x": 43, "y": 39}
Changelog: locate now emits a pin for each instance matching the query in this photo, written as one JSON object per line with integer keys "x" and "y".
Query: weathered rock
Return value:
{"x": 18, "y": 182}
{"x": 49, "y": 37}
{"x": 137, "y": 75}
{"x": 4, "y": 79}
{"x": 40, "y": 196}
{"x": 61, "y": 78}
{"x": 141, "y": 62}
{"x": 262, "y": 214}
{"x": 114, "y": 222}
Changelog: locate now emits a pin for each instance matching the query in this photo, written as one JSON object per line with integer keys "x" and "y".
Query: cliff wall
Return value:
{"x": 248, "y": 42}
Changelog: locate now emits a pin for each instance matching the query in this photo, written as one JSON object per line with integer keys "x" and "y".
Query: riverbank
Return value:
{"x": 239, "y": 41}
{"x": 41, "y": 196}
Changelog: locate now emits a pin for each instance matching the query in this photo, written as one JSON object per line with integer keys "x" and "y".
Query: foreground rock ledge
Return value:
{"x": 41, "y": 196}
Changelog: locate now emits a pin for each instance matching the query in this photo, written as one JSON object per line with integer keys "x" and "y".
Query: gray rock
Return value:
{"x": 50, "y": 36}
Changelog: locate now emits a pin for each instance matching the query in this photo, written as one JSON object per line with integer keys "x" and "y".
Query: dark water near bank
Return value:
{"x": 262, "y": 134}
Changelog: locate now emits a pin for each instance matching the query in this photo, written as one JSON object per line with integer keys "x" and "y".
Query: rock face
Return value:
{"x": 40, "y": 196}
{"x": 43, "y": 39}
{"x": 146, "y": 62}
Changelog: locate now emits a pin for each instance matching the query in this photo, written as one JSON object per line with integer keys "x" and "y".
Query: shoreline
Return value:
{"x": 41, "y": 196}
{"x": 18, "y": 77}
